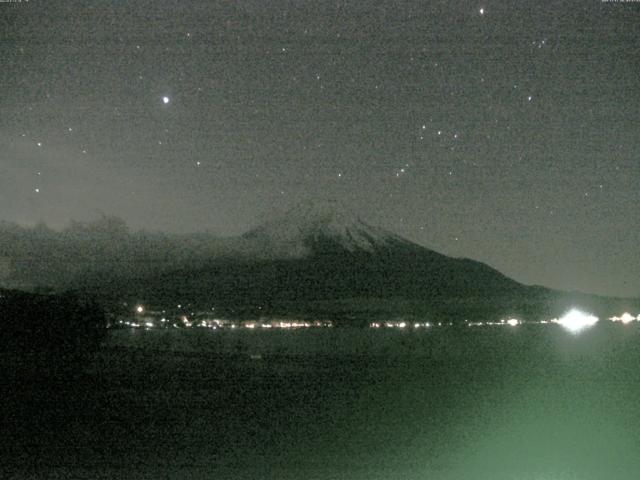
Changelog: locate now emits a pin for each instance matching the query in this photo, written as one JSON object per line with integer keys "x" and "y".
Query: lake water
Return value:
{"x": 528, "y": 402}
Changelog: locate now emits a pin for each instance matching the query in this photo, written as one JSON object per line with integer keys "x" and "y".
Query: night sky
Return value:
{"x": 504, "y": 131}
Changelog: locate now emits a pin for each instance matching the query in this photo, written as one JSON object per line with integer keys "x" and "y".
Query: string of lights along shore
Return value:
{"x": 506, "y": 132}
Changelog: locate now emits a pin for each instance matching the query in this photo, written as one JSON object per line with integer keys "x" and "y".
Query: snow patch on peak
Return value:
{"x": 294, "y": 233}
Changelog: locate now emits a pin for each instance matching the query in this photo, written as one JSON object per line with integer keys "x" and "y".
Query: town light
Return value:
{"x": 575, "y": 320}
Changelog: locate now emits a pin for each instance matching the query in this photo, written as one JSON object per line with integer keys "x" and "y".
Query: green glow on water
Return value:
{"x": 525, "y": 403}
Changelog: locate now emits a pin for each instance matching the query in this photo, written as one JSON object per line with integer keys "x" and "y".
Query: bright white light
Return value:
{"x": 625, "y": 318}
{"x": 149, "y": 324}
{"x": 482, "y": 11}
{"x": 575, "y": 321}
{"x": 402, "y": 324}
{"x": 513, "y": 322}
{"x": 165, "y": 100}
{"x": 139, "y": 309}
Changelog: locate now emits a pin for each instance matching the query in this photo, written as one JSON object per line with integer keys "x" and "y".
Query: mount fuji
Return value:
{"x": 316, "y": 260}
{"x": 322, "y": 260}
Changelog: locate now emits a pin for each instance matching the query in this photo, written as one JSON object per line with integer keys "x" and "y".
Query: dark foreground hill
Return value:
{"x": 48, "y": 330}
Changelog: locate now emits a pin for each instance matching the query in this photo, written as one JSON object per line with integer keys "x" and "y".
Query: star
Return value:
{"x": 166, "y": 100}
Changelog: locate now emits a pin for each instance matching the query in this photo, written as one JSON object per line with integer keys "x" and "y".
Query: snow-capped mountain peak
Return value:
{"x": 295, "y": 232}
